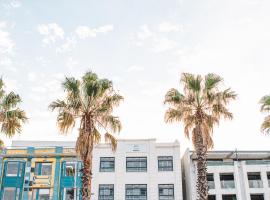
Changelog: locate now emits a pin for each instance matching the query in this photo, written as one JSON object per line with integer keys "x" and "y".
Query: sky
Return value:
{"x": 143, "y": 47}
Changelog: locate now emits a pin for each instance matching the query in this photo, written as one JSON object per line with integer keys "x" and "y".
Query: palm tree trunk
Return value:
{"x": 201, "y": 152}
{"x": 87, "y": 179}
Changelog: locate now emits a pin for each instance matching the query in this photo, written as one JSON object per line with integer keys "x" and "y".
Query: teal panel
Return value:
{"x": 56, "y": 179}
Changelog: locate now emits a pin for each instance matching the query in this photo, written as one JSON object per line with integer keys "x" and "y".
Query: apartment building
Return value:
{"x": 138, "y": 170}
{"x": 232, "y": 175}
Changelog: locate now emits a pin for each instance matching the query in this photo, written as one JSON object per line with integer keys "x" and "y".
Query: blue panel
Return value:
{"x": 56, "y": 179}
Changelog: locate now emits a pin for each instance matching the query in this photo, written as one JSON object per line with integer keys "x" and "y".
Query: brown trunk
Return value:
{"x": 87, "y": 178}
{"x": 201, "y": 152}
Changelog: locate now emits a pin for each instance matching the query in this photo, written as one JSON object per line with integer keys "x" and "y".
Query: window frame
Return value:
{"x": 38, "y": 172}
{"x": 159, "y": 187}
{"x": 166, "y": 160}
{"x": 100, "y": 161}
{"x": 135, "y": 188}
{"x": 140, "y": 169}
{"x": 111, "y": 189}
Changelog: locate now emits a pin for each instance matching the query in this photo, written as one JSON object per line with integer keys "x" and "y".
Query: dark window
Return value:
{"x": 211, "y": 197}
{"x": 136, "y": 192}
{"x": 43, "y": 168}
{"x": 106, "y": 164}
{"x": 166, "y": 192}
{"x": 229, "y": 197}
{"x": 106, "y": 192}
{"x": 136, "y": 164}
{"x": 165, "y": 163}
{"x": 70, "y": 168}
{"x": 227, "y": 180}
{"x": 210, "y": 180}
{"x": 268, "y": 178}
{"x": 69, "y": 194}
{"x": 256, "y": 197}
{"x": 254, "y": 180}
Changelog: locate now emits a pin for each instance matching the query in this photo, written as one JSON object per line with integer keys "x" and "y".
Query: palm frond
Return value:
{"x": 173, "y": 97}
{"x": 173, "y": 115}
{"x": 112, "y": 140}
{"x": 65, "y": 121}
{"x": 10, "y": 100}
{"x": 212, "y": 81}
{"x": 111, "y": 122}
{"x": 265, "y": 103}
{"x": 265, "y": 127}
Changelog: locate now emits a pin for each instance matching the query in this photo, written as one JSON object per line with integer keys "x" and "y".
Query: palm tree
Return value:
{"x": 265, "y": 108}
{"x": 11, "y": 116}
{"x": 200, "y": 107}
{"x": 90, "y": 102}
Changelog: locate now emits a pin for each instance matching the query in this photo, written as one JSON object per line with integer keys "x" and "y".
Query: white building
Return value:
{"x": 232, "y": 175}
{"x": 138, "y": 170}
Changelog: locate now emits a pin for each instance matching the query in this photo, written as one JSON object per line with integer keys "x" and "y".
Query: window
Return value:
{"x": 136, "y": 192}
{"x": 41, "y": 194}
{"x": 136, "y": 164}
{"x": 12, "y": 168}
{"x": 256, "y": 197}
{"x": 43, "y": 168}
{"x": 211, "y": 197}
{"x": 69, "y": 194}
{"x": 70, "y": 169}
{"x": 227, "y": 180}
{"x": 254, "y": 180}
{"x": 210, "y": 180}
{"x": 165, "y": 163}
{"x": 106, "y": 192}
{"x": 166, "y": 192}
{"x": 229, "y": 197}
{"x": 106, "y": 164}
{"x": 11, "y": 193}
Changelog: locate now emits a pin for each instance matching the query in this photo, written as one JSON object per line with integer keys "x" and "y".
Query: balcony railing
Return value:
{"x": 226, "y": 184}
{"x": 219, "y": 163}
{"x": 255, "y": 183}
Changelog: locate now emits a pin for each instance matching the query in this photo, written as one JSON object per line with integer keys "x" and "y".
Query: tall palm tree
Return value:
{"x": 89, "y": 102}
{"x": 200, "y": 107}
{"x": 265, "y": 108}
{"x": 11, "y": 116}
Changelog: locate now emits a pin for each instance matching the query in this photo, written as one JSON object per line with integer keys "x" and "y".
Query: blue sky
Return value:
{"x": 143, "y": 46}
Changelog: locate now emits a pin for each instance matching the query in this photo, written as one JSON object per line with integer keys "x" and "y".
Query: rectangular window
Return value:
{"x": 43, "y": 168}
{"x": 136, "y": 192}
{"x": 106, "y": 164}
{"x": 41, "y": 194}
{"x": 254, "y": 180}
{"x": 211, "y": 197}
{"x": 136, "y": 164}
{"x": 69, "y": 194}
{"x": 210, "y": 180}
{"x": 165, "y": 163}
{"x": 10, "y": 193}
{"x": 106, "y": 192}
{"x": 227, "y": 180}
{"x": 166, "y": 191}
{"x": 256, "y": 197}
{"x": 268, "y": 178}
{"x": 229, "y": 197}
{"x": 14, "y": 168}
{"x": 70, "y": 168}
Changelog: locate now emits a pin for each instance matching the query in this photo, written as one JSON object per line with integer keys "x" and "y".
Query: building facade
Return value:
{"x": 232, "y": 175}
{"x": 138, "y": 170}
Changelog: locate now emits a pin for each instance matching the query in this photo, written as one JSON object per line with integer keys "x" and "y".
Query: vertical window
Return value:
{"x": 210, "y": 181}
{"x": 136, "y": 192}
{"x": 136, "y": 164}
{"x": 166, "y": 192}
{"x": 227, "y": 180}
{"x": 12, "y": 168}
{"x": 254, "y": 180}
{"x": 70, "y": 169}
{"x": 69, "y": 194}
{"x": 106, "y": 192}
{"x": 10, "y": 193}
{"x": 43, "y": 168}
{"x": 211, "y": 197}
{"x": 229, "y": 197}
{"x": 268, "y": 178}
{"x": 256, "y": 197}
{"x": 165, "y": 163}
{"x": 41, "y": 194}
{"x": 106, "y": 164}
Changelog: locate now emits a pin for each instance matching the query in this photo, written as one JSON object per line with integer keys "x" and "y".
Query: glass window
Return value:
{"x": 210, "y": 181}
{"x": 229, "y": 197}
{"x": 136, "y": 164}
{"x": 106, "y": 192}
{"x": 227, "y": 180}
{"x": 12, "y": 168}
{"x": 211, "y": 197}
{"x": 136, "y": 192}
{"x": 69, "y": 194}
{"x": 106, "y": 164}
{"x": 254, "y": 180}
{"x": 256, "y": 197}
{"x": 166, "y": 192}
{"x": 9, "y": 193}
{"x": 41, "y": 194}
{"x": 165, "y": 163}
{"x": 70, "y": 168}
{"x": 43, "y": 168}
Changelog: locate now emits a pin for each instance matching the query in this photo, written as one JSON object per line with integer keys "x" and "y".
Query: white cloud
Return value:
{"x": 144, "y": 32}
{"x": 164, "y": 44}
{"x": 169, "y": 27}
{"x": 12, "y": 4}
{"x": 84, "y": 32}
{"x": 134, "y": 68}
{"x": 6, "y": 43}
{"x": 51, "y": 32}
